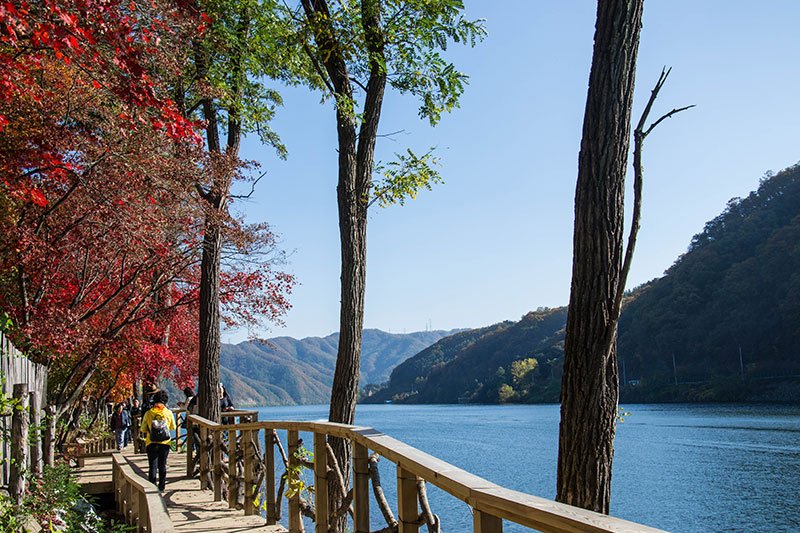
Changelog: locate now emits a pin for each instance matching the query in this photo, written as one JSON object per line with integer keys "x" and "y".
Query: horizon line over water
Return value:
{"x": 678, "y": 467}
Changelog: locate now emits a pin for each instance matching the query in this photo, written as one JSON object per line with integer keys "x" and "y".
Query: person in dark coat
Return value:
{"x": 120, "y": 422}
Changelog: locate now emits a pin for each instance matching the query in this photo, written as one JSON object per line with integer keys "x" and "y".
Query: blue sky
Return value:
{"x": 495, "y": 240}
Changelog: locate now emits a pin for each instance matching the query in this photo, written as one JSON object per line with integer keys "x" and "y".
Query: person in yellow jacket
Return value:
{"x": 157, "y": 426}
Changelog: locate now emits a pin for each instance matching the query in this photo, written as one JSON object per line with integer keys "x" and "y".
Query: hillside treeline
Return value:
{"x": 722, "y": 324}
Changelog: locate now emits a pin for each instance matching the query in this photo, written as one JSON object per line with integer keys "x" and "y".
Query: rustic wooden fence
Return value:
{"x": 237, "y": 461}
{"x": 137, "y": 499}
{"x": 27, "y": 382}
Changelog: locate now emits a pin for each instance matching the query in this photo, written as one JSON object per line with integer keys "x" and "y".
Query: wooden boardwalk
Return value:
{"x": 190, "y": 509}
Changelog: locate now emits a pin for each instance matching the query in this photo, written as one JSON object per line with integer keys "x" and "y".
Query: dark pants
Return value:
{"x": 157, "y": 457}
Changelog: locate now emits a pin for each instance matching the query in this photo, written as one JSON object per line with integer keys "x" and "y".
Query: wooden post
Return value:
{"x": 216, "y": 461}
{"x": 143, "y": 524}
{"x": 114, "y": 482}
{"x": 295, "y": 520}
{"x": 233, "y": 481}
{"x": 48, "y": 445}
{"x": 203, "y": 451}
{"x": 361, "y": 488}
{"x": 407, "y": 509}
{"x": 248, "y": 450}
{"x": 486, "y": 523}
{"x": 36, "y": 441}
{"x": 19, "y": 444}
{"x": 135, "y": 505}
{"x": 128, "y": 502}
{"x": 321, "y": 483}
{"x": 269, "y": 464}
{"x": 189, "y": 448}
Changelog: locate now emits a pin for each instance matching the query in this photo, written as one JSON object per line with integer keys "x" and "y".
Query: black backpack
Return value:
{"x": 159, "y": 428}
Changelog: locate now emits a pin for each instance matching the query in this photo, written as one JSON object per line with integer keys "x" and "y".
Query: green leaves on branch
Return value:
{"x": 294, "y": 478}
{"x": 413, "y": 33}
{"x": 418, "y": 31}
{"x": 404, "y": 177}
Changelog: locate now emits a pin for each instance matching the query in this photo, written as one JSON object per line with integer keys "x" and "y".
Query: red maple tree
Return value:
{"x": 100, "y": 225}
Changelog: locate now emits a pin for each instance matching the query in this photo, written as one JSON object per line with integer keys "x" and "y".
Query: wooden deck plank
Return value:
{"x": 190, "y": 509}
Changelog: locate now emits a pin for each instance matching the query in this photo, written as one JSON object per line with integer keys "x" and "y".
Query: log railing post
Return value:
{"x": 19, "y": 444}
{"x": 114, "y": 482}
{"x": 143, "y": 524}
{"x": 269, "y": 465}
{"x": 134, "y": 505}
{"x": 48, "y": 445}
{"x": 486, "y": 523}
{"x": 36, "y": 440}
{"x": 203, "y": 451}
{"x": 361, "y": 488}
{"x": 295, "y": 520}
{"x": 233, "y": 481}
{"x": 407, "y": 509}
{"x": 189, "y": 448}
{"x": 321, "y": 483}
{"x": 248, "y": 450}
{"x": 216, "y": 460}
{"x": 128, "y": 502}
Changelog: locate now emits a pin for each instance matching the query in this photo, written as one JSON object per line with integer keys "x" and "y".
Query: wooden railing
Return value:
{"x": 137, "y": 499}
{"x": 82, "y": 448}
{"x": 245, "y": 472}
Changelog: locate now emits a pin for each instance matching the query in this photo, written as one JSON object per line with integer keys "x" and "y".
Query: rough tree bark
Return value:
{"x": 216, "y": 200}
{"x": 356, "y": 159}
{"x": 590, "y": 385}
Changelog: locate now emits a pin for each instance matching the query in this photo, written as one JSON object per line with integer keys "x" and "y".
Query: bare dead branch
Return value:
{"x": 392, "y": 134}
{"x": 252, "y": 188}
{"x": 639, "y": 135}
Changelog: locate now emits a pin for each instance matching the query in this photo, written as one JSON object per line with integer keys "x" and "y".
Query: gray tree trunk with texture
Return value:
{"x": 590, "y": 384}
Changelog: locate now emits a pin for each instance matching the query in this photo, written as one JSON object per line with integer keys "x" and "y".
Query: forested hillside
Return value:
{"x": 474, "y": 365}
{"x": 736, "y": 290}
{"x": 723, "y": 324}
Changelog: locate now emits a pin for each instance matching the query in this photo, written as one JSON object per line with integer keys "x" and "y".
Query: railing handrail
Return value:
{"x": 156, "y": 519}
{"x": 479, "y": 493}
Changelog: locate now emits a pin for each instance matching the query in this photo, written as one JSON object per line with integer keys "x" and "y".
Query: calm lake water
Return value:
{"x": 677, "y": 467}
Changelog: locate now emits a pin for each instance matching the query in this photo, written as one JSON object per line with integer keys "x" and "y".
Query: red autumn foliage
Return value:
{"x": 99, "y": 219}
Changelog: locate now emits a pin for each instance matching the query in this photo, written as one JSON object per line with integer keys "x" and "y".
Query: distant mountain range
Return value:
{"x": 285, "y": 371}
{"x": 722, "y": 324}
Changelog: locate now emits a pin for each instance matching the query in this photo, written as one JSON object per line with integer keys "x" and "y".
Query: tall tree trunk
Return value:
{"x": 216, "y": 199}
{"x": 356, "y": 162}
{"x": 590, "y": 384}
{"x": 208, "y": 365}
{"x": 353, "y": 236}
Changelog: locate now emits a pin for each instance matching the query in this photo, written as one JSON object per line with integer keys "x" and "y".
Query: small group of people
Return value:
{"x": 190, "y": 403}
{"x": 157, "y": 425}
{"x": 122, "y": 417}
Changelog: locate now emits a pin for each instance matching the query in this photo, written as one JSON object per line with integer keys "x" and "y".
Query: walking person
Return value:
{"x": 136, "y": 410}
{"x": 157, "y": 425}
{"x": 136, "y": 420}
{"x": 120, "y": 422}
